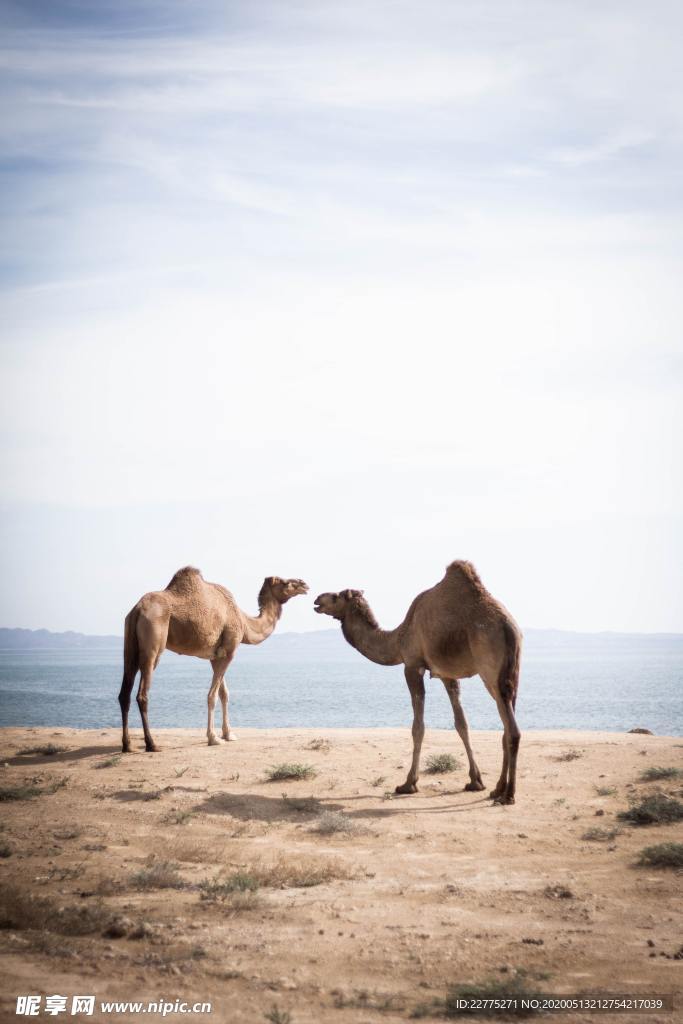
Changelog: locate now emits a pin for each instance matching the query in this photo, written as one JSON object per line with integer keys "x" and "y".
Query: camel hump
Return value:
{"x": 185, "y": 579}
{"x": 466, "y": 570}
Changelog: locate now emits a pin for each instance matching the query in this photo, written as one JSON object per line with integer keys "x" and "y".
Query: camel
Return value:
{"x": 455, "y": 630}
{"x": 198, "y": 618}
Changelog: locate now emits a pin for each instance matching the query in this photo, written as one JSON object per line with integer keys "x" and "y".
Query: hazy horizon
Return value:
{"x": 342, "y": 292}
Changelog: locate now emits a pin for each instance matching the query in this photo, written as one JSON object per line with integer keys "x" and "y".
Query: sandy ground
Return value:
{"x": 426, "y": 891}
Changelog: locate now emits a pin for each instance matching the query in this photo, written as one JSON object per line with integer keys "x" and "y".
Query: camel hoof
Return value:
{"x": 230, "y": 738}
{"x": 475, "y": 787}
{"x": 407, "y": 787}
{"x": 504, "y": 800}
{"x": 153, "y": 749}
{"x": 125, "y": 750}
{"x": 213, "y": 741}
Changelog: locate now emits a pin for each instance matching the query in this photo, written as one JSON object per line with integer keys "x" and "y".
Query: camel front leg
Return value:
{"x": 224, "y": 695}
{"x": 219, "y": 665}
{"x": 453, "y": 690}
{"x": 415, "y": 681}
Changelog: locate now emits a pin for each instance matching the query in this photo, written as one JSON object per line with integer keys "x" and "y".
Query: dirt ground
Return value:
{"x": 420, "y": 893}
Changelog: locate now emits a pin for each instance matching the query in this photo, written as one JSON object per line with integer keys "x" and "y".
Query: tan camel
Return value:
{"x": 455, "y": 630}
{"x": 194, "y": 617}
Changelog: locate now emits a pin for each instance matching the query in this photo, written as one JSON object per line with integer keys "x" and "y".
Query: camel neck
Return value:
{"x": 378, "y": 645}
{"x": 256, "y": 630}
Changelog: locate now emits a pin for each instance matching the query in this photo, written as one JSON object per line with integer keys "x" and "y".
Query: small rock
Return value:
{"x": 599, "y": 813}
{"x": 650, "y": 942}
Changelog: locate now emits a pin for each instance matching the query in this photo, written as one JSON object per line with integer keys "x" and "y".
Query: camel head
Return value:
{"x": 281, "y": 589}
{"x": 337, "y": 605}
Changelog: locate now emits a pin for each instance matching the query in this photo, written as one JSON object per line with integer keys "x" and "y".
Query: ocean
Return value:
{"x": 569, "y": 681}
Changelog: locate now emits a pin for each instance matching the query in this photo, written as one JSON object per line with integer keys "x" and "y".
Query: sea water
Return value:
{"x": 567, "y": 685}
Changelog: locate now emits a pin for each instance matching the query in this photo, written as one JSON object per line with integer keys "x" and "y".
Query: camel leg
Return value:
{"x": 415, "y": 681}
{"x": 453, "y": 690}
{"x": 124, "y": 701}
{"x": 147, "y": 671}
{"x": 219, "y": 665}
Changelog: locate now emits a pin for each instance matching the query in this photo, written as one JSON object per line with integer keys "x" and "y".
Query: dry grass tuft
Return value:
{"x": 600, "y": 835}
{"x": 19, "y": 793}
{"x": 659, "y": 774}
{"x": 439, "y": 764}
{"x": 319, "y": 744}
{"x": 110, "y": 762}
{"x": 277, "y": 1016}
{"x": 605, "y": 790}
{"x": 656, "y": 809}
{"x": 569, "y": 755}
{"x": 299, "y": 872}
{"x": 664, "y": 855}
{"x": 177, "y": 817}
{"x": 335, "y": 823}
{"x": 25, "y": 912}
{"x": 558, "y": 892}
{"x": 289, "y": 771}
{"x": 162, "y": 874}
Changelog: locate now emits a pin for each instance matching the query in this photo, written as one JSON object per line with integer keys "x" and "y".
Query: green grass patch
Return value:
{"x": 290, "y": 771}
{"x": 657, "y": 809}
{"x": 664, "y": 855}
{"x": 439, "y": 764}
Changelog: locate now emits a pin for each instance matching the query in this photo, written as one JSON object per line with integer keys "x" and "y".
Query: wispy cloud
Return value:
{"x": 413, "y": 268}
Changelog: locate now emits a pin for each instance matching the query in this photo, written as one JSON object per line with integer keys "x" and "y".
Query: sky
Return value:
{"x": 342, "y": 291}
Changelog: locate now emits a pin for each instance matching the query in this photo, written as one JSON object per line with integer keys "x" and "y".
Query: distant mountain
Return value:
{"x": 26, "y": 639}
{"x": 329, "y": 644}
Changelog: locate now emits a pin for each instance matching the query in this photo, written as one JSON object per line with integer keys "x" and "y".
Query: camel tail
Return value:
{"x": 131, "y": 651}
{"x": 508, "y": 680}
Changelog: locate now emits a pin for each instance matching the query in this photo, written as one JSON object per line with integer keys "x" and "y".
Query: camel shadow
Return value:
{"x": 394, "y": 807}
{"x": 62, "y": 756}
{"x": 254, "y": 807}
{"x": 248, "y": 807}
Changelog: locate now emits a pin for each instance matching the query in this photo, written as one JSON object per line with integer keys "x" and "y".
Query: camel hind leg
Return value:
{"x": 504, "y": 792}
{"x": 218, "y": 687}
{"x": 152, "y": 633}
{"x": 453, "y": 690}
{"x": 124, "y": 701}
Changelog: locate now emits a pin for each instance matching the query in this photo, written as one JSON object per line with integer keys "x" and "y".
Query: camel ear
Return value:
{"x": 273, "y": 580}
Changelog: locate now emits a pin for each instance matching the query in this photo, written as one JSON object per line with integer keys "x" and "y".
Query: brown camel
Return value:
{"x": 455, "y": 630}
{"x": 194, "y": 617}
